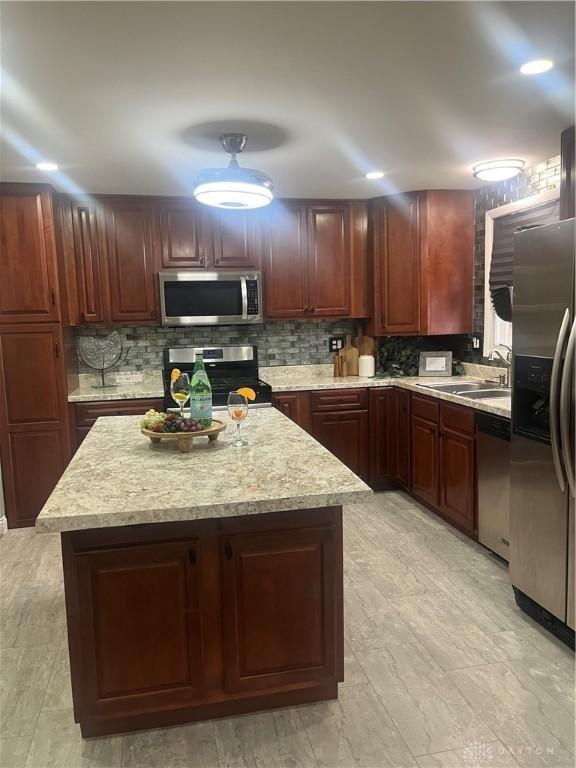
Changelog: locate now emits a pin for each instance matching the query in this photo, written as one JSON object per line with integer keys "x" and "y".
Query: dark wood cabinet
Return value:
{"x": 457, "y": 461}
{"x": 90, "y": 260}
{"x": 146, "y": 597}
{"x": 403, "y": 438}
{"x": 176, "y": 622}
{"x": 28, "y": 265}
{"x": 345, "y": 434}
{"x": 84, "y": 415}
{"x": 131, "y": 244}
{"x": 278, "y": 608}
{"x": 182, "y": 236}
{"x": 424, "y": 473}
{"x": 286, "y": 261}
{"x": 315, "y": 260}
{"x": 295, "y": 405}
{"x": 235, "y": 239}
{"x": 329, "y": 260}
{"x": 34, "y": 432}
{"x": 383, "y": 430}
{"x": 423, "y": 246}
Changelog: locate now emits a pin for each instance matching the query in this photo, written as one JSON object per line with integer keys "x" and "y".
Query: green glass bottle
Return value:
{"x": 200, "y": 393}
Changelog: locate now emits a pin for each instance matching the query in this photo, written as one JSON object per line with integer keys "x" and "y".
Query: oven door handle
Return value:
{"x": 554, "y": 401}
{"x": 565, "y": 391}
{"x": 244, "y": 291}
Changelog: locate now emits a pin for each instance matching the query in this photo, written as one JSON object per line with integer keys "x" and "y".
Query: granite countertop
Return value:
{"x": 128, "y": 386}
{"x": 118, "y": 477}
{"x": 294, "y": 378}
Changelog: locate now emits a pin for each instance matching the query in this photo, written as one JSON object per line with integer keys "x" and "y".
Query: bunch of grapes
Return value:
{"x": 153, "y": 420}
{"x": 174, "y": 423}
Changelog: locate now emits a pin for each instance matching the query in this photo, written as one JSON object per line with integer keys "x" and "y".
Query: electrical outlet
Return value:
{"x": 335, "y": 343}
{"x": 475, "y": 342}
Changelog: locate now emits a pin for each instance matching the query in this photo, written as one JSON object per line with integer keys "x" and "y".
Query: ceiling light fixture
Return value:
{"x": 45, "y": 165}
{"x": 498, "y": 170}
{"x": 233, "y": 187}
{"x": 375, "y": 174}
{"x": 536, "y": 67}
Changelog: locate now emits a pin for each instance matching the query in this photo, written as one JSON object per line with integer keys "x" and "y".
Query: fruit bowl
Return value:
{"x": 185, "y": 440}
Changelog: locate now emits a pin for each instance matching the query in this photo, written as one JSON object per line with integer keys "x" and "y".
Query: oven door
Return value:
{"x": 210, "y": 298}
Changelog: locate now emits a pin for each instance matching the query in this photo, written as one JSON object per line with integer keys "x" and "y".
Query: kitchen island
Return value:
{"x": 200, "y": 584}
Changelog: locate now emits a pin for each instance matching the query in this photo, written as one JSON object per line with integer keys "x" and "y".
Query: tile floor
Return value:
{"x": 442, "y": 669}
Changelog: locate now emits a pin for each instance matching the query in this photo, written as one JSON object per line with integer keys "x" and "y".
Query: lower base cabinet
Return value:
{"x": 177, "y": 622}
{"x": 345, "y": 434}
{"x": 425, "y": 460}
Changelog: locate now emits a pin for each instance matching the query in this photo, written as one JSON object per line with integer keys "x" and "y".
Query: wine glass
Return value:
{"x": 180, "y": 391}
{"x": 237, "y": 410}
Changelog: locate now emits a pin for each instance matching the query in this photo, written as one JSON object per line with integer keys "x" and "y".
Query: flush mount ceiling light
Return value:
{"x": 233, "y": 187}
{"x": 498, "y": 170}
{"x": 45, "y": 165}
{"x": 536, "y": 67}
{"x": 375, "y": 174}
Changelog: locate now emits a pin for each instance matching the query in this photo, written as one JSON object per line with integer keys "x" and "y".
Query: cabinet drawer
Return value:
{"x": 339, "y": 400}
{"x": 87, "y": 413}
{"x": 457, "y": 417}
{"x": 424, "y": 408}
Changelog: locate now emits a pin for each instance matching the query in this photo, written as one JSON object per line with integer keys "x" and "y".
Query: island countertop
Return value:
{"x": 118, "y": 477}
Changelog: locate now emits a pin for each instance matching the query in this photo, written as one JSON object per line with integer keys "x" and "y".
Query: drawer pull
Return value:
{"x": 228, "y": 551}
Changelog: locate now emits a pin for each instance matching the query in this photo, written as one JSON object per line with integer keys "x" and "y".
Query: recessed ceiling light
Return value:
{"x": 46, "y": 166}
{"x": 536, "y": 67}
{"x": 375, "y": 174}
{"x": 498, "y": 170}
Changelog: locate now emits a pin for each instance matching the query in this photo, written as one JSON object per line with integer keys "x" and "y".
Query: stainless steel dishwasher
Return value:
{"x": 493, "y": 472}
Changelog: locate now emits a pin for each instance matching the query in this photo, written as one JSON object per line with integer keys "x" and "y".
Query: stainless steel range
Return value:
{"x": 228, "y": 368}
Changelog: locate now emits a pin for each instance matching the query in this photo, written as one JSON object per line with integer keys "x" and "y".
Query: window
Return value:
{"x": 496, "y": 330}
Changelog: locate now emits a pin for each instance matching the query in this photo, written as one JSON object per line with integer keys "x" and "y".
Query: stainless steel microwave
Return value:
{"x": 210, "y": 298}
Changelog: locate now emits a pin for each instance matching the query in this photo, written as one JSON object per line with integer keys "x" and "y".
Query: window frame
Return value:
{"x": 490, "y": 317}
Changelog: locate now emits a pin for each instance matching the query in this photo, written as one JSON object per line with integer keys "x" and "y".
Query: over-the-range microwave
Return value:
{"x": 210, "y": 298}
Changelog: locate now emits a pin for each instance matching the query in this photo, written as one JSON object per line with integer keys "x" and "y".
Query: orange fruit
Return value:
{"x": 175, "y": 374}
{"x": 248, "y": 393}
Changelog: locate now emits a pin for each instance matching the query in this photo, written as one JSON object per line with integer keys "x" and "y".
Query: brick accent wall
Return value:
{"x": 540, "y": 178}
{"x": 279, "y": 343}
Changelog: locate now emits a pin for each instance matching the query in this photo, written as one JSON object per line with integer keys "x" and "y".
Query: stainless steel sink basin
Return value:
{"x": 488, "y": 394}
{"x": 463, "y": 388}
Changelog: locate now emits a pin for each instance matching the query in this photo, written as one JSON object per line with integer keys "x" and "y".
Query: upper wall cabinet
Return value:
{"x": 93, "y": 296}
{"x": 131, "y": 245}
{"x": 423, "y": 245}
{"x": 234, "y": 239}
{"x": 315, "y": 260}
{"x": 181, "y": 234}
{"x": 28, "y": 266}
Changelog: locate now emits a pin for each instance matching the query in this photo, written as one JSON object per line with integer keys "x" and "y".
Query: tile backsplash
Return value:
{"x": 294, "y": 342}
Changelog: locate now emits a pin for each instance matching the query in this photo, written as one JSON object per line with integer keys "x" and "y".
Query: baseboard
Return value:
{"x": 543, "y": 617}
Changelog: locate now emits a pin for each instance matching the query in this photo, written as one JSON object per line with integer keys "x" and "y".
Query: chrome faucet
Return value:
{"x": 505, "y": 359}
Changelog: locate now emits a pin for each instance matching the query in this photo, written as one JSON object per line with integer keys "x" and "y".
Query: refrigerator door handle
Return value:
{"x": 565, "y": 391}
{"x": 554, "y": 405}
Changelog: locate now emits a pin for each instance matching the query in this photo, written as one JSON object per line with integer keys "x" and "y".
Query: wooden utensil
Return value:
{"x": 350, "y": 355}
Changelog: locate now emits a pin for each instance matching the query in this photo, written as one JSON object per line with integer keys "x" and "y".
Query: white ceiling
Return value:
{"x": 115, "y": 92}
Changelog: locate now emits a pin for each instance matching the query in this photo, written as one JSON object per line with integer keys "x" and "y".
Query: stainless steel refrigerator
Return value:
{"x": 542, "y": 446}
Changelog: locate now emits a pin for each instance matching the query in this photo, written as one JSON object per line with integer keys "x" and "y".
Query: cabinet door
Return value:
{"x": 32, "y": 376}
{"x": 329, "y": 260}
{"x": 295, "y": 405}
{"x": 90, "y": 263}
{"x": 383, "y": 430}
{"x": 235, "y": 238}
{"x": 285, "y": 261}
{"x": 396, "y": 266}
{"x": 403, "y": 437}
{"x": 457, "y": 478}
{"x": 28, "y": 272}
{"x": 425, "y": 460}
{"x": 131, "y": 244}
{"x": 181, "y": 235}
{"x": 138, "y": 617}
{"x": 33, "y": 460}
{"x": 345, "y": 434}
{"x": 279, "y": 608}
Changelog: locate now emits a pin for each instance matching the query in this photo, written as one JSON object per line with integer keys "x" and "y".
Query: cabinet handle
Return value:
{"x": 53, "y": 297}
{"x": 192, "y": 556}
{"x": 228, "y": 551}
{"x": 56, "y": 349}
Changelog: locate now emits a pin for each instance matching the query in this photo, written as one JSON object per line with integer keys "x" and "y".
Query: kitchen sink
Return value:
{"x": 488, "y": 394}
{"x": 464, "y": 388}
